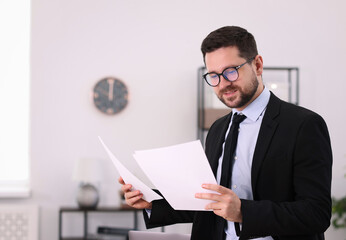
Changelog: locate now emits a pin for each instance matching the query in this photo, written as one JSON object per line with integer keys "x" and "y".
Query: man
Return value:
{"x": 280, "y": 171}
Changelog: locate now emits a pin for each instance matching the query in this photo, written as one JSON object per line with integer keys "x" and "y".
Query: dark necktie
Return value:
{"x": 227, "y": 165}
{"x": 230, "y": 146}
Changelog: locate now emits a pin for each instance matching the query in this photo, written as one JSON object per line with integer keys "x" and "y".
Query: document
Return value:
{"x": 178, "y": 172}
{"x": 148, "y": 194}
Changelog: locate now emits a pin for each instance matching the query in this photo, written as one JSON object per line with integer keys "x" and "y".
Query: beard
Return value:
{"x": 245, "y": 95}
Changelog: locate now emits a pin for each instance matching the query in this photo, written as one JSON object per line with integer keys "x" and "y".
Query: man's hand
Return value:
{"x": 227, "y": 204}
{"x": 133, "y": 198}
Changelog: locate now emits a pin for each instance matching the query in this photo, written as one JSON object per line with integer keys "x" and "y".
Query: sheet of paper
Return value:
{"x": 148, "y": 194}
{"x": 178, "y": 172}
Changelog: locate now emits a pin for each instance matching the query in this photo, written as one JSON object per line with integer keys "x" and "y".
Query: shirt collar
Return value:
{"x": 254, "y": 110}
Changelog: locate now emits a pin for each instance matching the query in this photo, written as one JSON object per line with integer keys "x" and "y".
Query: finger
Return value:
{"x": 214, "y": 206}
{"x": 209, "y": 196}
{"x": 134, "y": 200}
{"x": 223, "y": 214}
{"x": 129, "y": 195}
{"x": 141, "y": 204}
{"x": 220, "y": 213}
{"x": 126, "y": 188}
{"x": 216, "y": 188}
{"x": 121, "y": 180}
{"x": 217, "y": 209}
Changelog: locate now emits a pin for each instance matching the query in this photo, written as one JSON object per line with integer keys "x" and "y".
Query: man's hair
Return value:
{"x": 230, "y": 36}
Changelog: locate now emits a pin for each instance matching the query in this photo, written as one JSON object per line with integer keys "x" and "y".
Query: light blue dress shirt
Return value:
{"x": 247, "y": 138}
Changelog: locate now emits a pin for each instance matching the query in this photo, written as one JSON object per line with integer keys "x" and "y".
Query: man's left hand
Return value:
{"x": 227, "y": 204}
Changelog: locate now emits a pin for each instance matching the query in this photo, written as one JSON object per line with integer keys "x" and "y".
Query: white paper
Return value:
{"x": 148, "y": 194}
{"x": 178, "y": 172}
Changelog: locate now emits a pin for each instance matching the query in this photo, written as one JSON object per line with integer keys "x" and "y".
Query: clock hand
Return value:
{"x": 110, "y": 89}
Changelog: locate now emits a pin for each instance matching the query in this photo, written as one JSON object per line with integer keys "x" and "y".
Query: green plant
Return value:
{"x": 339, "y": 212}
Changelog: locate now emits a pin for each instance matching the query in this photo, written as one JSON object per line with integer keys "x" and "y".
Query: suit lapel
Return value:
{"x": 265, "y": 136}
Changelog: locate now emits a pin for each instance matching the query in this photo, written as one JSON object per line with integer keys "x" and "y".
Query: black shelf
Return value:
{"x": 85, "y": 212}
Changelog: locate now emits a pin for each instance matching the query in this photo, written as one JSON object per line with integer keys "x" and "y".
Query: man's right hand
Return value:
{"x": 133, "y": 198}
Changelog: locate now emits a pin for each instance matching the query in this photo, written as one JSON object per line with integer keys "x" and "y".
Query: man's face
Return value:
{"x": 245, "y": 89}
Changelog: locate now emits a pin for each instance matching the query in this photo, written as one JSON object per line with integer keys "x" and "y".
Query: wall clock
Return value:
{"x": 110, "y": 95}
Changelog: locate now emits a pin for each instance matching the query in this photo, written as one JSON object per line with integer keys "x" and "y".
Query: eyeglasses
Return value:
{"x": 230, "y": 74}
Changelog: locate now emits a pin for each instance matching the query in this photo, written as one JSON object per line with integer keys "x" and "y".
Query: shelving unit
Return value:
{"x": 86, "y": 213}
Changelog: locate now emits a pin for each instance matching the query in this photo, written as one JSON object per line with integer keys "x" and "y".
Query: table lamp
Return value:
{"x": 87, "y": 172}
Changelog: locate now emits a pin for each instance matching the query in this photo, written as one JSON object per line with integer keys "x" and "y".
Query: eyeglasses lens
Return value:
{"x": 212, "y": 79}
{"x": 231, "y": 74}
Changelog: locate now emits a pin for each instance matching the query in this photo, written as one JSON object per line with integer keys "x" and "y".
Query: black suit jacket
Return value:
{"x": 291, "y": 179}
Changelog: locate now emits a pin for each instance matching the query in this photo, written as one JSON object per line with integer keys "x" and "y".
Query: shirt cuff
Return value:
{"x": 148, "y": 211}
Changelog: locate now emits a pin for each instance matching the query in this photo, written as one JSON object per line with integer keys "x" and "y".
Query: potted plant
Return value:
{"x": 339, "y": 212}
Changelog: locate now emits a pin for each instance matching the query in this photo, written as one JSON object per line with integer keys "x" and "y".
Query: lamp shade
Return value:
{"x": 87, "y": 170}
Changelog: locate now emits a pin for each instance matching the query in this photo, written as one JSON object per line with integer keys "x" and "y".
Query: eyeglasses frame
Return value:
{"x": 221, "y": 74}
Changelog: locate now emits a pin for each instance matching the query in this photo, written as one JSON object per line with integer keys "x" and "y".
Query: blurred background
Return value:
{"x": 153, "y": 47}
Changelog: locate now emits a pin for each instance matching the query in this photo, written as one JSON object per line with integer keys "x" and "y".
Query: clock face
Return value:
{"x": 110, "y": 95}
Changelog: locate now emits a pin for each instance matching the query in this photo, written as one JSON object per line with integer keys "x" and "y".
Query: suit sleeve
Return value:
{"x": 310, "y": 210}
{"x": 163, "y": 214}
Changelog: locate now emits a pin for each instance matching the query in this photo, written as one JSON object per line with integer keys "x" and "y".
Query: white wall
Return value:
{"x": 153, "y": 46}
